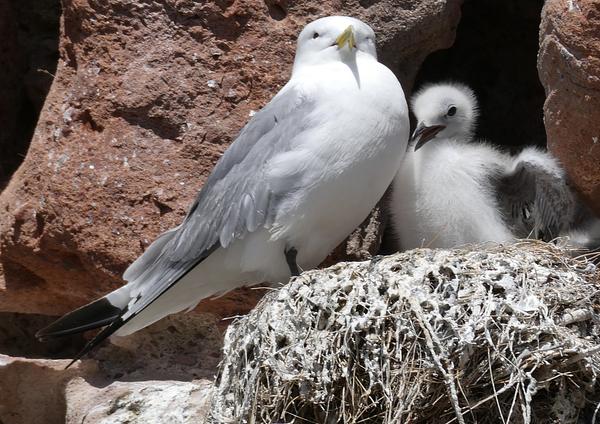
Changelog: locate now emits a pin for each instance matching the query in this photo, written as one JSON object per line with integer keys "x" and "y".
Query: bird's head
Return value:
{"x": 334, "y": 38}
{"x": 443, "y": 111}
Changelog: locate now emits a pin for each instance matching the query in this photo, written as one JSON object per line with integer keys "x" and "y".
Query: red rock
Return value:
{"x": 569, "y": 68}
{"x": 146, "y": 98}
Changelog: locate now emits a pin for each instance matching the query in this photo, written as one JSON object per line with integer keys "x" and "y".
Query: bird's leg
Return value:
{"x": 290, "y": 257}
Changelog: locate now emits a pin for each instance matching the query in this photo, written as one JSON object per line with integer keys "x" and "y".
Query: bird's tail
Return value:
{"x": 108, "y": 311}
{"x": 91, "y": 316}
{"x": 104, "y": 312}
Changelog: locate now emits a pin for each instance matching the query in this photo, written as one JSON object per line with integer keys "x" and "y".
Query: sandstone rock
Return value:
{"x": 40, "y": 391}
{"x": 33, "y": 389}
{"x": 569, "y": 68}
{"x": 137, "y": 402}
{"x": 146, "y": 98}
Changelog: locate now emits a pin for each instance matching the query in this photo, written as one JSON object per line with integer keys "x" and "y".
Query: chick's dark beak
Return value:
{"x": 424, "y": 133}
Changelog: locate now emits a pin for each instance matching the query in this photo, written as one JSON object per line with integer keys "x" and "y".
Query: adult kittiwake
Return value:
{"x": 453, "y": 190}
{"x": 302, "y": 174}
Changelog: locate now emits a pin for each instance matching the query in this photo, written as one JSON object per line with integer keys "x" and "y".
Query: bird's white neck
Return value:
{"x": 352, "y": 60}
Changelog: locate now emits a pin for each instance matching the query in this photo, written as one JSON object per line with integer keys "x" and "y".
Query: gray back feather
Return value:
{"x": 150, "y": 255}
{"x": 536, "y": 202}
{"x": 236, "y": 198}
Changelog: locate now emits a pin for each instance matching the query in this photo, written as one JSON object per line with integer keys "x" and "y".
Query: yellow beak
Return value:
{"x": 346, "y": 37}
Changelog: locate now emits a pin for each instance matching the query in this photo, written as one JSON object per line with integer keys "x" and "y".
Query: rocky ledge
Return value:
{"x": 425, "y": 336}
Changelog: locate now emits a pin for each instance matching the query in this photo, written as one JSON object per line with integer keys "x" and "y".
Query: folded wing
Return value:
{"x": 236, "y": 199}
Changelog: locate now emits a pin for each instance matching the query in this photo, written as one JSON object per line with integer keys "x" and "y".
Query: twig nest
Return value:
{"x": 489, "y": 334}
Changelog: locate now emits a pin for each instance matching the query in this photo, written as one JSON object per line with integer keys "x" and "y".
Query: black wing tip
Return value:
{"x": 105, "y": 333}
{"x": 93, "y": 315}
{"x": 41, "y": 335}
{"x": 70, "y": 363}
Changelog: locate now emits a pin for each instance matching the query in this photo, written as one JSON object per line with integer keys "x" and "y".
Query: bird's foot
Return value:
{"x": 290, "y": 257}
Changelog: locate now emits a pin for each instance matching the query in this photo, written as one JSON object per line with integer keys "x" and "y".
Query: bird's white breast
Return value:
{"x": 350, "y": 158}
{"x": 442, "y": 196}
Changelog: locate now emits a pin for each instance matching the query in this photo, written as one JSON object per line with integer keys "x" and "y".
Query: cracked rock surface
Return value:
{"x": 569, "y": 69}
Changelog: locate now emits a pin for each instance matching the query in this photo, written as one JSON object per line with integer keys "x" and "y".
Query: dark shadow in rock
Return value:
{"x": 29, "y": 55}
{"x": 277, "y": 9}
{"x": 161, "y": 126}
{"x": 17, "y": 338}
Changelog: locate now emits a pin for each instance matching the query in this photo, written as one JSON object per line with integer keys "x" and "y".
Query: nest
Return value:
{"x": 492, "y": 334}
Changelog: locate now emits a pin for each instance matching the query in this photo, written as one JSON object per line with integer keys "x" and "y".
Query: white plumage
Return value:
{"x": 452, "y": 190}
{"x": 303, "y": 173}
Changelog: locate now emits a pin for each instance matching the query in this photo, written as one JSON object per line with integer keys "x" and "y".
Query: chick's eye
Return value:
{"x": 316, "y": 35}
{"x": 452, "y": 111}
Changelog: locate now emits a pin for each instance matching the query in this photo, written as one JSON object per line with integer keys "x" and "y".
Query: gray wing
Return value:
{"x": 236, "y": 199}
{"x": 535, "y": 202}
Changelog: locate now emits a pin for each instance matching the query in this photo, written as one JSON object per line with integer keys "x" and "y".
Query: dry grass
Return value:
{"x": 489, "y": 334}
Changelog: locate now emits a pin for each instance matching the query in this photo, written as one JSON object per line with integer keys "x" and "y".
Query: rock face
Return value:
{"x": 79, "y": 395}
{"x": 21, "y": 404}
{"x": 569, "y": 68}
{"x": 425, "y": 336}
{"x": 147, "y": 95}
{"x": 138, "y": 402}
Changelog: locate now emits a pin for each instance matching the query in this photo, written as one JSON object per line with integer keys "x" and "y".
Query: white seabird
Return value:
{"x": 452, "y": 190}
{"x": 303, "y": 173}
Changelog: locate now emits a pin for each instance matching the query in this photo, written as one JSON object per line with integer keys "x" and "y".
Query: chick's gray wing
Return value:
{"x": 515, "y": 192}
{"x": 535, "y": 202}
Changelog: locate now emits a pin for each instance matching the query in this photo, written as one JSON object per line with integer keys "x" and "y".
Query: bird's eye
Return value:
{"x": 316, "y": 35}
{"x": 452, "y": 111}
